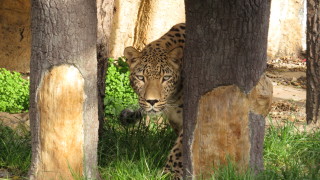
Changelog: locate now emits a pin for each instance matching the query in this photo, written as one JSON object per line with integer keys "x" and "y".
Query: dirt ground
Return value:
{"x": 289, "y": 93}
{"x": 289, "y": 96}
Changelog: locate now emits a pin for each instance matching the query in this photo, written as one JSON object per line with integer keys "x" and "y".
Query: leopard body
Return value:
{"x": 155, "y": 76}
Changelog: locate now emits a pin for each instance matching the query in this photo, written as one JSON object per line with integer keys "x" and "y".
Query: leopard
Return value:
{"x": 155, "y": 76}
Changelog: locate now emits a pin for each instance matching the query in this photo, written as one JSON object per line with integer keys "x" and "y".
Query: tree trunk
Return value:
{"x": 226, "y": 95}
{"x": 313, "y": 62}
{"x": 63, "y": 101}
{"x": 105, "y": 14}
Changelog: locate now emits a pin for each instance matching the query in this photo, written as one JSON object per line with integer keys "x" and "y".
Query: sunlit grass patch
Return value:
{"x": 291, "y": 154}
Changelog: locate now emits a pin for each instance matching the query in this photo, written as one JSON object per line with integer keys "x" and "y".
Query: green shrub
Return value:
{"x": 119, "y": 94}
{"x": 14, "y": 92}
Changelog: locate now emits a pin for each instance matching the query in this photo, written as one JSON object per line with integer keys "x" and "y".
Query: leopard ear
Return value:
{"x": 132, "y": 56}
{"x": 176, "y": 56}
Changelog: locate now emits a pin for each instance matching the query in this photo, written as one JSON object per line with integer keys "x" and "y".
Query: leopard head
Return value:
{"x": 155, "y": 76}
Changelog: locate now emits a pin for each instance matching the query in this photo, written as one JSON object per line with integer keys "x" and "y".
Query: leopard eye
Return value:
{"x": 166, "y": 78}
{"x": 141, "y": 78}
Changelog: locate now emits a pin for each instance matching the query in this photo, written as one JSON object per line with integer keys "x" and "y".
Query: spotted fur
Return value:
{"x": 155, "y": 75}
{"x": 174, "y": 163}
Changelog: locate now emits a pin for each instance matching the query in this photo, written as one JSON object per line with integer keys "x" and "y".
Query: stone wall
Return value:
{"x": 15, "y": 35}
{"x": 287, "y": 28}
{"x": 138, "y": 22}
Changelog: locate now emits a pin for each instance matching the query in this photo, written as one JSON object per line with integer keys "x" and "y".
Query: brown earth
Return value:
{"x": 289, "y": 93}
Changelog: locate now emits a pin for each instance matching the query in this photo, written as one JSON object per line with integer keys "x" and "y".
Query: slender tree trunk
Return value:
{"x": 105, "y": 13}
{"x": 313, "y": 62}
{"x": 226, "y": 95}
{"x": 63, "y": 102}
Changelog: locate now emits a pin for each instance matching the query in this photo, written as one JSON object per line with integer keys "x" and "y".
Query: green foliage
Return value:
{"x": 14, "y": 92}
{"x": 119, "y": 94}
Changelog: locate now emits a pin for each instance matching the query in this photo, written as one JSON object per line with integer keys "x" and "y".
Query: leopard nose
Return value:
{"x": 152, "y": 102}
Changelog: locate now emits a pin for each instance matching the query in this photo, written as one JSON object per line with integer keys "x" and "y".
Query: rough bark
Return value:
{"x": 63, "y": 96}
{"x": 313, "y": 62}
{"x": 105, "y": 10}
{"x": 225, "y": 91}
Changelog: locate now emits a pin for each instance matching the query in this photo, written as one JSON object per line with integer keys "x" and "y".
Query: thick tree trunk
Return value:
{"x": 313, "y": 62}
{"x": 105, "y": 13}
{"x": 226, "y": 95}
{"x": 63, "y": 101}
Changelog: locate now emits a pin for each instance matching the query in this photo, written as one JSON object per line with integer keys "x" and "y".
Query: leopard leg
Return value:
{"x": 174, "y": 164}
{"x": 129, "y": 116}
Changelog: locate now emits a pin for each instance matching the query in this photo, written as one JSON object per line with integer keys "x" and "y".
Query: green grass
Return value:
{"x": 15, "y": 151}
{"x": 135, "y": 152}
{"x": 139, "y": 152}
{"x": 288, "y": 155}
{"x": 292, "y": 155}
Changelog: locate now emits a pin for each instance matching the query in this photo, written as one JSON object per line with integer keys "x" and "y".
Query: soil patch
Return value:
{"x": 289, "y": 93}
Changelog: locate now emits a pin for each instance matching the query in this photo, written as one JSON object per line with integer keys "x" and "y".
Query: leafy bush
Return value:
{"x": 14, "y": 92}
{"x": 119, "y": 94}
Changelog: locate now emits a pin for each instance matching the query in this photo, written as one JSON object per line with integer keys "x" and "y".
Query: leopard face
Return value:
{"x": 155, "y": 76}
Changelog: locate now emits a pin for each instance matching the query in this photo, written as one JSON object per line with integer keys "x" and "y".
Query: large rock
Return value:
{"x": 287, "y": 28}
{"x": 15, "y": 35}
{"x": 137, "y": 23}
{"x": 144, "y": 22}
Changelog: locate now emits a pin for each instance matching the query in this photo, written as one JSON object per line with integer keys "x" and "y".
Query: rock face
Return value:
{"x": 287, "y": 29}
{"x": 15, "y": 35}
{"x": 138, "y": 22}
{"x": 143, "y": 23}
